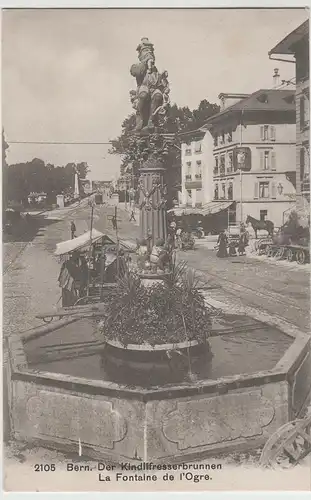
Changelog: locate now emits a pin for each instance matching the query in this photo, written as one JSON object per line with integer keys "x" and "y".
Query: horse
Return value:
{"x": 267, "y": 225}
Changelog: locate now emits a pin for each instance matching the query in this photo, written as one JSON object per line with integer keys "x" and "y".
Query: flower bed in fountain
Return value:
{"x": 157, "y": 329}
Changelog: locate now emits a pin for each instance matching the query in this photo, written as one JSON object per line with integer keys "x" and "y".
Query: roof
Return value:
{"x": 78, "y": 243}
{"x": 286, "y": 46}
{"x": 196, "y": 134}
{"x": 214, "y": 207}
{"x": 261, "y": 100}
{"x": 232, "y": 95}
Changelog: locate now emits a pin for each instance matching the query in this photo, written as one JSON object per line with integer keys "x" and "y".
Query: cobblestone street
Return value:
{"x": 30, "y": 287}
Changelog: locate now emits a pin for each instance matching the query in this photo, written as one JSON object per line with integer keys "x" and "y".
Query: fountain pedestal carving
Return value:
{"x": 152, "y": 203}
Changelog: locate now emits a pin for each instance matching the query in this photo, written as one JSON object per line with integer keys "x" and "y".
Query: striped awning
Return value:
{"x": 214, "y": 207}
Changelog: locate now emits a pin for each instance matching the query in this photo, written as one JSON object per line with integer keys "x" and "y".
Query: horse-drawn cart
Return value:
{"x": 290, "y": 252}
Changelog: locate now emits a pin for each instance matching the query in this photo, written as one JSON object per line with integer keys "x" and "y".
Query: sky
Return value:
{"x": 65, "y": 72}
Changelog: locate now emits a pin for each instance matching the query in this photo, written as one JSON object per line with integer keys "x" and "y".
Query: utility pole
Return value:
{"x": 117, "y": 238}
{"x": 91, "y": 202}
{"x": 241, "y": 179}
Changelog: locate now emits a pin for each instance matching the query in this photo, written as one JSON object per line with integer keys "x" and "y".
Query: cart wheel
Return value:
{"x": 273, "y": 451}
{"x": 300, "y": 256}
{"x": 48, "y": 320}
{"x": 289, "y": 255}
{"x": 269, "y": 251}
{"x": 279, "y": 253}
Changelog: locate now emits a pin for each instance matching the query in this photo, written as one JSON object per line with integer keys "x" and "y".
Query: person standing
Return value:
{"x": 243, "y": 241}
{"x": 114, "y": 222}
{"x": 132, "y": 218}
{"x": 222, "y": 245}
{"x": 73, "y": 230}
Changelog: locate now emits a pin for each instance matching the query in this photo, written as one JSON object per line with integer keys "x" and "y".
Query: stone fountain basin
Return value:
{"x": 56, "y": 405}
{"x": 155, "y": 365}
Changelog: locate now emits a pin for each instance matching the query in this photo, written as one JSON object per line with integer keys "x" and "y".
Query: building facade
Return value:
{"x": 192, "y": 171}
{"x": 254, "y": 153}
{"x": 296, "y": 45}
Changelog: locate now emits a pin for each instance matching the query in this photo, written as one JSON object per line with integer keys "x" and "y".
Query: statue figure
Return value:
{"x": 159, "y": 257}
{"x": 151, "y": 97}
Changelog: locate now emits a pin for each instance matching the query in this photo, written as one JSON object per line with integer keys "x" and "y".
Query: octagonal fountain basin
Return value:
{"x": 60, "y": 392}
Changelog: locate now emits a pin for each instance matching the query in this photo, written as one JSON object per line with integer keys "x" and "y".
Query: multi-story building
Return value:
{"x": 296, "y": 47}
{"x": 192, "y": 170}
{"x": 254, "y": 153}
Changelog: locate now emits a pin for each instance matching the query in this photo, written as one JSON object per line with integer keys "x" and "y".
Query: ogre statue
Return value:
{"x": 151, "y": 97}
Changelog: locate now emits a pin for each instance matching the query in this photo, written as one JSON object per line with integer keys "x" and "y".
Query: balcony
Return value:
{"x": 198, "y": 176}
{"x": 215, "y": 171}
{"x": 222, "y": 171}
{"x": 195, "y": 184}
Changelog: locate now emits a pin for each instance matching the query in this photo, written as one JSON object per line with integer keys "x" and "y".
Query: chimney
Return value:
{"x": 276, "y": 77}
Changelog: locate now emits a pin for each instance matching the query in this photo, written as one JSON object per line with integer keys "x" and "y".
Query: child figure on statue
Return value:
{"x": 146, "y": 53}
{"x": 142, "y": 254}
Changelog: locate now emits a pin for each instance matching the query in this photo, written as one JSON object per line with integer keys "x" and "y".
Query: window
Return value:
{"x": 267, "y": 160}
{"x": 188, "y": 152}
{"x": 216, "y": 166}
{"x": 222, "y": 164}
{"x": 230, "y": 191}
{"x": 216, "y": 192}
{"x": 304, "y": 112}
{"x": 223, "y": 188}
{"x": 263, "y": 215}
{"x": 267, "y": 133}
{"x": 266, "y": 165}
{"x": 198, "y": 174}
{"x": 230, "y": 162}
{"x": 198, "y": 147}
{"x": 263, "y": 189}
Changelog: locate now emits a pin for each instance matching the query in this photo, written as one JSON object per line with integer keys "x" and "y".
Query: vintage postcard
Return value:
{"x": 156, "y": 258}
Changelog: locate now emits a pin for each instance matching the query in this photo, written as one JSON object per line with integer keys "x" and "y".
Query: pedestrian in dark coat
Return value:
{"x": 222, "y": 245}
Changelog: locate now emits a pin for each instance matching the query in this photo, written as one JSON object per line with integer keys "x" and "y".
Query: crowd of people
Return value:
{"x": 226, "y": 247}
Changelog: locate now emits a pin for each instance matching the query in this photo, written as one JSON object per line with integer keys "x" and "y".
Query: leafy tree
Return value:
{"x": 36, "y": 176}
{"x": 179, "y": 120}
{"x": 4, "y": 172}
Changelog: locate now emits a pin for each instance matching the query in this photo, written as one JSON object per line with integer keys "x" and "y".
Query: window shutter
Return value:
{"x": 273, "y": 161}
{"x": 262, "y": 160}
{"x": 273, "y": 190}
{"x": 302, "y": 112}
{"x": 256, "y": 190}
{"x": 262, "y": 132}
{"x": 272, "y": 133}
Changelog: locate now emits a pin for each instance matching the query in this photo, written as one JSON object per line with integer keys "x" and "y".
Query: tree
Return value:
{"x": 36, "y": 176}
{"x": 4, "y": 173}
{"x": 179, "y": 120}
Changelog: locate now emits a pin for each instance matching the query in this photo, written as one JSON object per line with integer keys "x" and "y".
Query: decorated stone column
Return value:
{"x": 152, "y": 202}
{"x": 151, "y": 103}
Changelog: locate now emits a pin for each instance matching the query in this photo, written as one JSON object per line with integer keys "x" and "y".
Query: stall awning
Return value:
{"x": 78, "y": 243}
{"x": 214, "y": 207}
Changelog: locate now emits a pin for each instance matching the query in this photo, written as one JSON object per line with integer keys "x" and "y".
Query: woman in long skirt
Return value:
{"x": 222, "y": 245}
